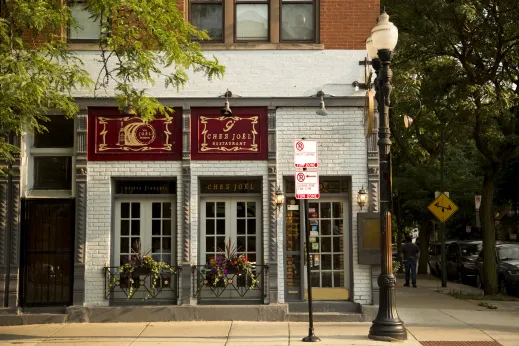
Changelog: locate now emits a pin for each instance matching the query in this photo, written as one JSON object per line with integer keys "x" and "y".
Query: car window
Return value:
{"x": 469, "y": 249}
{"x": 508, "y": 253}
{"x": 452, "y": 249}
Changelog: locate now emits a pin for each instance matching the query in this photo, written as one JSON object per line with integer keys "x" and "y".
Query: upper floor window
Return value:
{"x": 273, "y": 21}
{"x": 88, "y": 29}
{"x": 297, "y": 20}
{"x": 208, "y": 15}
{"x": 252, "y": 20}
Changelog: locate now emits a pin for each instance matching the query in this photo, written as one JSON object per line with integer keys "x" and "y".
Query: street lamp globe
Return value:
{"x": 370, "y": 47}
{"x": 385, "y": 34}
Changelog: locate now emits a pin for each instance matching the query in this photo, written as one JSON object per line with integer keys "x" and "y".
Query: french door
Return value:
{"x": 145, "y": 226}
{"x": 234, "y": 221}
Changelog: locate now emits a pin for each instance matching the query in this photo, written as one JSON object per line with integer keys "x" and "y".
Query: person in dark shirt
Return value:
{"x": 411, "y": 252}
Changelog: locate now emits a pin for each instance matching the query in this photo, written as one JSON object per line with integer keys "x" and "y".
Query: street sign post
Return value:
{"x": 477, "y": 201}
{"x": 305, "y": 153}
{"x": 443, "y": 208}
{"x": 307, "y": 187}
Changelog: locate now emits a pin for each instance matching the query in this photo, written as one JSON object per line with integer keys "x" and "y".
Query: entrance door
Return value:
{"x": 235, "y": 221}
{"x": 147, "y": 227}
{"x": 150, "y": 223}
{"x": 47, "y": 252}
{"x": 327, "y": 238}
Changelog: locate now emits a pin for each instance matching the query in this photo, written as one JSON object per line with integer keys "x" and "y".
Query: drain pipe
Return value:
{"x": 8, "y": 228}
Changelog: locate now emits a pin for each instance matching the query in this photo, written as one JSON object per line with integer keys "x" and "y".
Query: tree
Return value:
{"x": 475, "y": 43}
{"x": 139, "y": 41}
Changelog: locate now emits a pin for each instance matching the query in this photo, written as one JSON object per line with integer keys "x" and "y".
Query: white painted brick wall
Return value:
{"x": 341, "y": 152}
{"x": 262, "y": 73}
{"x": 99, "y": 215}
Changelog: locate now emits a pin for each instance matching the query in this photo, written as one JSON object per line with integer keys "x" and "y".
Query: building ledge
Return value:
{"x": 90, "y": 46}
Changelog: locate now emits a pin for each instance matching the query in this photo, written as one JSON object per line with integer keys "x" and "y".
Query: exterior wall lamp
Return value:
{"x": 322, "y": 109}
{"x": 226, "y": 110}
{"x": 279, "y": 198}
{"x": 362, "y": 198}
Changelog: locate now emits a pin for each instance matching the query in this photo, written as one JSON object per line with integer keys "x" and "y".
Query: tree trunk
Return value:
{"x": 489, "y": 236}
{"x": 425, "y": 232}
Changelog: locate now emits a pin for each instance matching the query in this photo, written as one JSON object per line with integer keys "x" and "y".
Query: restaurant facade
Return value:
{"x": 101, "y": 187}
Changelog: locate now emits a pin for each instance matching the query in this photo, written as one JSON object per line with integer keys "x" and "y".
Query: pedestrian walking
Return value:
{"x": 411, "y": 253}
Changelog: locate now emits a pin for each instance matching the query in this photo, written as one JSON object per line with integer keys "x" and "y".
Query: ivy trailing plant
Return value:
{"x": 140, "y": 264}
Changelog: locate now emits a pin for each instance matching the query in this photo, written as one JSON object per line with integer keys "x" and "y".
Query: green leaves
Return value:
{"x": 140, "y": 42}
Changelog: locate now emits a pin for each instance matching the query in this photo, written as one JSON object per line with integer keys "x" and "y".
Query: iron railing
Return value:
{"x": 234, "y": 287}
{"x": 117, "y": 285}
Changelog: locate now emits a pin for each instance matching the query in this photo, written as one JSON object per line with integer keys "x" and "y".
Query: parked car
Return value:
{"x": 507, "y": 258}
{"x": 435, "y": 257}
{"x": 461, "y": 260}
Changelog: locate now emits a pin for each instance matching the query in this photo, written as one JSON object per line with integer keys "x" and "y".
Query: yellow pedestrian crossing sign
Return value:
{"x": 442, "y": 207}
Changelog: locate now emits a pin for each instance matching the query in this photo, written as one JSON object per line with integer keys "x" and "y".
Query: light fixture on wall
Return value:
{"x": 226, "y": 110}
{"x": 280, "y": 198}
{"x": 128, "y": 109}
{"x": 322, "y": 109}
{"x": 362, "y": 198}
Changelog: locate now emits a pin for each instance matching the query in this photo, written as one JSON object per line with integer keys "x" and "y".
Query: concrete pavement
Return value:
{"x": 428, "y": 316}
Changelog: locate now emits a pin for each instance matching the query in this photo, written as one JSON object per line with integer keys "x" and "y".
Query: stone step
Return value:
{"x": 22, "y": 319}
{"x": 325, "y": 317}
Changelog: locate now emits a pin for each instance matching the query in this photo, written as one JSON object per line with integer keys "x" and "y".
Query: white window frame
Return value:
{"x": 146, "y": 235}
{"x": 230, "y": 224}
{"x": 28, "y": 153}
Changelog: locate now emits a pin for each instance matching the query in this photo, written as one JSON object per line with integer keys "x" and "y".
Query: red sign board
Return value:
{"x": 307, "y": 185}
{"x": 116, "y": 136}
{"x": 242, "y": 136}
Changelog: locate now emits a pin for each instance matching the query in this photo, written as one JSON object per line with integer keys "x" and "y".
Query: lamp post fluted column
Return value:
{"x": 387, "y": 326}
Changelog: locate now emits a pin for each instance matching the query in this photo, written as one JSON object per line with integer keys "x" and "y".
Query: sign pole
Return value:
{"x": 442, "y": 229}
{"x": 311, "y": 334}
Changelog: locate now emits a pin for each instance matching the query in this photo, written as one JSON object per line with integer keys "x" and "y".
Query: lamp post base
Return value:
{"x": 388, "y": 331}
{"x": 311, "y": 336}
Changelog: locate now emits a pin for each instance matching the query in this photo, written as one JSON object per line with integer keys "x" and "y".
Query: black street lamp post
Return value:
{"x": 387, "y": 326}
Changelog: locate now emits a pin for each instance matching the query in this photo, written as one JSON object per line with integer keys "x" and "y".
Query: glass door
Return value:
{"x": 327, "y": 238}
{"x": 234, "y": 221}
{"x": 147, "y": 228}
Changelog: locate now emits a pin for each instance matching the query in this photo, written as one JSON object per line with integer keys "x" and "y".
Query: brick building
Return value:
{"x": 183, "y": 189}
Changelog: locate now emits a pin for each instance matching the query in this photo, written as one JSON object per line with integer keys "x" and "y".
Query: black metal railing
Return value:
{"x": 119, "y": 287}
{"x": 234, "y": 287}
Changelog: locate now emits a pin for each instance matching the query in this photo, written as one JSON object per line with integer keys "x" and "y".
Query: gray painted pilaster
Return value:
{"x": 186, "y": 289}
{"x": 78, "y": 296}
{"x": 272, "y": 281}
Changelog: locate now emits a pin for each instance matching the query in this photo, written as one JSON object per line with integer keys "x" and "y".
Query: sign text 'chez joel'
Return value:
{"x": 117, "y": 137}
{"x": 241, "y": 136}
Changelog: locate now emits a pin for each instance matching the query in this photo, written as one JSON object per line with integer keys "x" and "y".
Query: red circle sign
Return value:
{"x": 300, "y": 177}
{"x": 300, "y": 146}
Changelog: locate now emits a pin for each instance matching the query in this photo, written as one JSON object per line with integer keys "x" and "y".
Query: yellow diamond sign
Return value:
{"x": 442, "y": 207}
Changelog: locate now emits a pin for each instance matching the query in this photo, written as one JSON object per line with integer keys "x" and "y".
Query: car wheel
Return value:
{"x": 502, "y": 287}
{"x": 479, "y": 282}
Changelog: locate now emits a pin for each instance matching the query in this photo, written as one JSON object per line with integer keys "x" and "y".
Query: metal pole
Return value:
{"x": 387, "y": 326}
{"x": 311, "y": 334}
{"x": 8, "y": 228}
{"x": 442, "y": 224}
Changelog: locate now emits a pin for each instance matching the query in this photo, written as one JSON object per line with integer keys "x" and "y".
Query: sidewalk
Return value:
{"x": 429, "y": 316}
